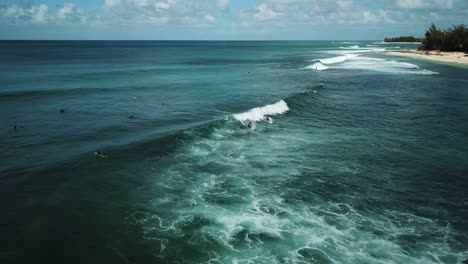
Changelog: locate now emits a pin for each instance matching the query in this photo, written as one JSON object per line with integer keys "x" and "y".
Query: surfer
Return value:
{"x": 15, "y": 125}
{"x": 251, "y": 125}
{"x": 62, "y": 110}
{"x": 100, "y": 154}
{"x": 131, "y": 117}
{"x": 269, "y": 119}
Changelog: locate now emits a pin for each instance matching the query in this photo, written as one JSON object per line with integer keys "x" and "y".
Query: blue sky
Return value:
{"x": 225, "y": 19}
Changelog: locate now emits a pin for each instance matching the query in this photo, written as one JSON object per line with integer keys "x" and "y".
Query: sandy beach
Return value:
{"x": 446, "y": 57}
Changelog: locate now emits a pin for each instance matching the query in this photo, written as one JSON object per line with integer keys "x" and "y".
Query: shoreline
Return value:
{"x": 458, "y": 58}
{"x": 403, "y": 42}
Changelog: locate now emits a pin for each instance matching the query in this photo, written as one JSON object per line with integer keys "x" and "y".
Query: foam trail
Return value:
{"x": 426, "y": 72}
{"x": 258, "y": 113}
{"x": 316, "y": 67}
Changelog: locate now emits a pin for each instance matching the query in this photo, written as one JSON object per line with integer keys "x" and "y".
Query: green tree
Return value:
{"x": 454, "y": 38}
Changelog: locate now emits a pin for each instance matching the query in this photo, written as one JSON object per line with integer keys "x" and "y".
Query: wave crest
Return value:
{"x": 258, "y": 113}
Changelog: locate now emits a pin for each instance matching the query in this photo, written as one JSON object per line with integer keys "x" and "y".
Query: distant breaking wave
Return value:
{"x": 357, "y": 49}
{"x": 357, "y": 62}
{"x": 258, "y": 113}
{"x": 337, "y": 59}
{"x": 350, "y": 47}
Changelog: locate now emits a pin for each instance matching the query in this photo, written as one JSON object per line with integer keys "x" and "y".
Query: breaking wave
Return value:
{"x": 258, "y": 113}
{"x": 337, "y": 59}
{"x": 358, "y": 62}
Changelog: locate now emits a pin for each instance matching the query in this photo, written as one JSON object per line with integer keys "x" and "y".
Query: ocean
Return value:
{"x": 366, "y": 160}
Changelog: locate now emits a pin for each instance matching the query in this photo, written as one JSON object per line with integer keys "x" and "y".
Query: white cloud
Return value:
{"x": 344, "y": 4}
{"x": 409, "y": 4}
{"x": 161, "y": 6}
{"x": 112, "y": 3}
{"x": 65, "y": 11}
{"x": 186, "y": 12}
{"x": 264, "y": 13}
{"x": 223, "y": 4}
{"x": 39, "y": 14}
{"x": 282, "y": 2}
{"x": 444, "y": 3}
{"x": 284, "y": 13}
{"x": 70, "y": 13}
{"x": 34, "y": 14}
{"x": 209, "y": 19}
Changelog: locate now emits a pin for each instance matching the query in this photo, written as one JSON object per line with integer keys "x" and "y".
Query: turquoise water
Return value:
{"x": 365, "y": 162}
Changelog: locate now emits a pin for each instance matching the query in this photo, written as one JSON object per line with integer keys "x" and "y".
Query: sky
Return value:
{"x": 225, "y": 19}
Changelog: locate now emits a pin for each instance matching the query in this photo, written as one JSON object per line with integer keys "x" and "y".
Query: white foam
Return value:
{"x": 258, "y": 113}
{"x": 350, "y": 47}
{"x": 426, "y": 72}
{"x": 360, "y": 50}
{"x": 382, "y": 65}
{"x": 361, "y": 58}
{"x": 316, "y": 67}
{"x": 337, "y": 59}
{"x": 358, "y": 62}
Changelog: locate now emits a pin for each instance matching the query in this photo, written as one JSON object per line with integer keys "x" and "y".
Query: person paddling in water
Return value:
{"x": 100, "y": 154}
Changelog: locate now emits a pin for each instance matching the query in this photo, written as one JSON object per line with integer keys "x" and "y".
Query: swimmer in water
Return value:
{"x": 131, "y": 117}
{"x": 62, "y": 110}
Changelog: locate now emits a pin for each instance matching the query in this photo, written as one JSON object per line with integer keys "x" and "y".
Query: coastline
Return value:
{"x": 446, "y": 57}
{"x": 403, "y": 42}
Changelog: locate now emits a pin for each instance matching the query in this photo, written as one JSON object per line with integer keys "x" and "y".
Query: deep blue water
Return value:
{"x": 366, "y": 160}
